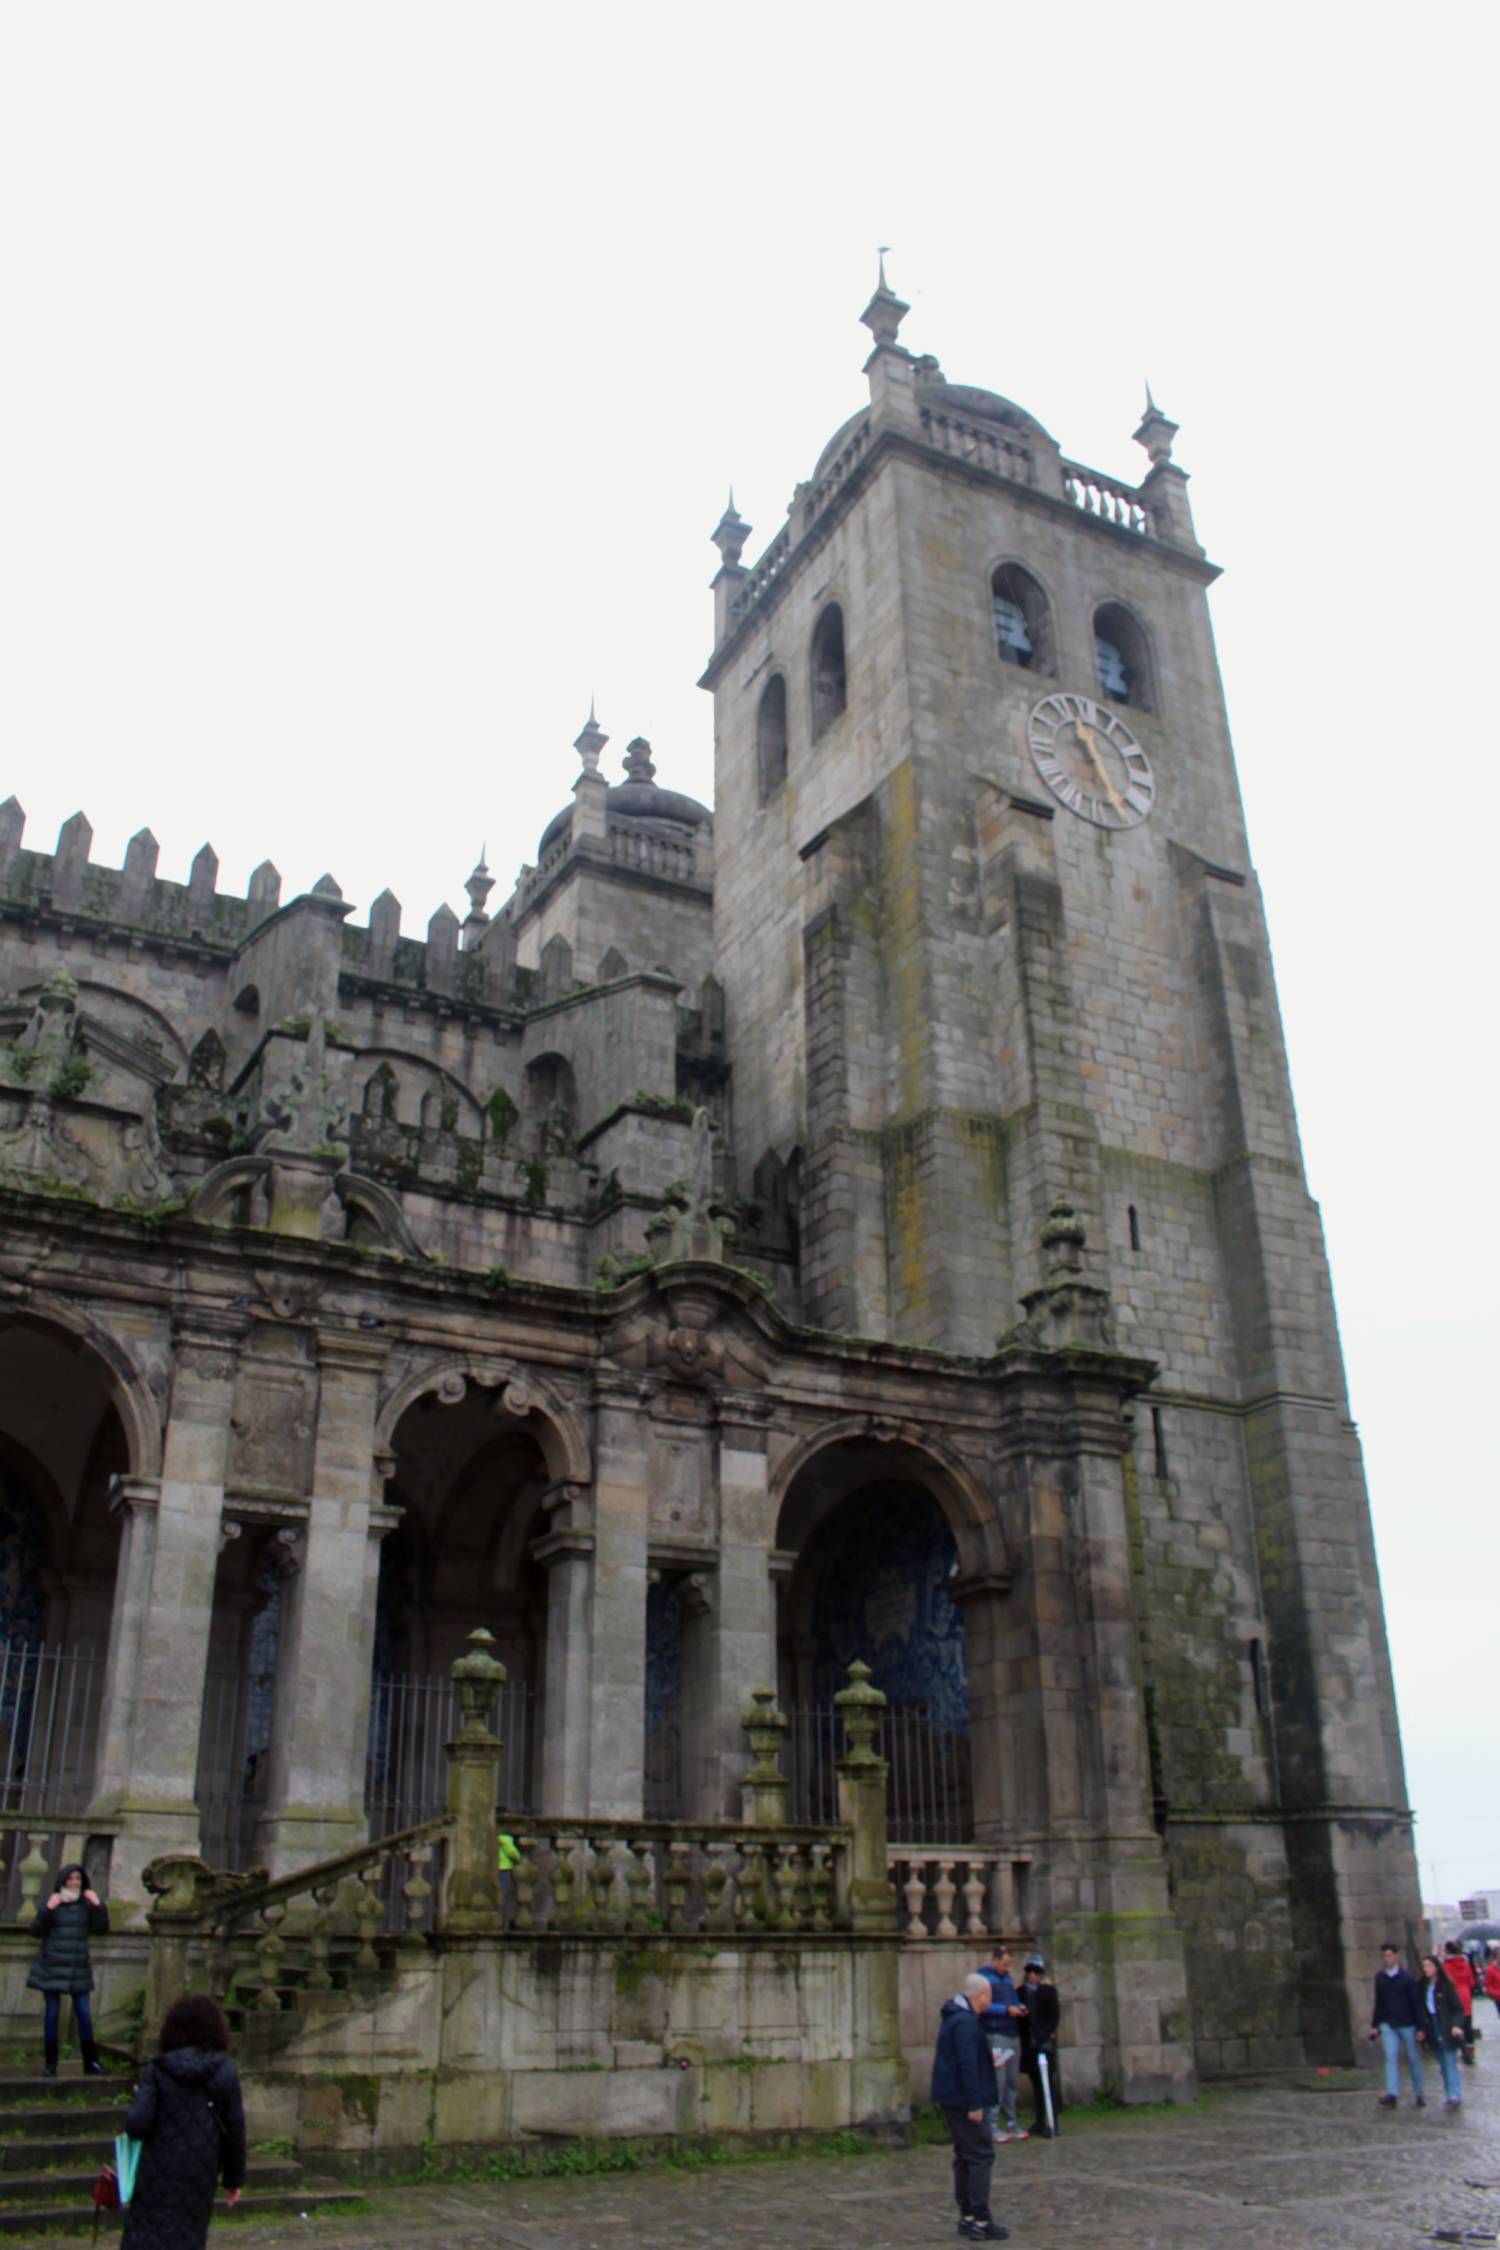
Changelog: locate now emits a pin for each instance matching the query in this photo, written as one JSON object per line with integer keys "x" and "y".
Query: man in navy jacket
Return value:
{"x": 963, "y": 2088}
{"x": 1395, "y": 2022}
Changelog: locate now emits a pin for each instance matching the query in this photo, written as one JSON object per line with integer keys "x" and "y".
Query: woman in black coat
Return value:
{"x": 189, "y": 2117}
{"x": 72, "y": 1915}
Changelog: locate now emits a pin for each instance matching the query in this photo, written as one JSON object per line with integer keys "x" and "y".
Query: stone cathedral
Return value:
{"x": 864, "y": 1221}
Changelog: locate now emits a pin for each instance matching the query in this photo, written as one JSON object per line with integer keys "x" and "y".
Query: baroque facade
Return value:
{"x": 890, "y": 1241}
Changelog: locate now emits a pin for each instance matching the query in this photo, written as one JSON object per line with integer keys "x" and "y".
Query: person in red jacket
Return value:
{"x": 1492, "y": 1978}
{"x": 1461, "y": 1977}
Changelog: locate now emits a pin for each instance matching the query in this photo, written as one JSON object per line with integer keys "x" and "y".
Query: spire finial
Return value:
{"x": 885, "y": 312}
{"x": 479, "y": 886}
{"x": 638, "y": 760}
{"x": 730, "y": 533}
{"x": 1156, "y": 432}
{"x": 591, "y": 741}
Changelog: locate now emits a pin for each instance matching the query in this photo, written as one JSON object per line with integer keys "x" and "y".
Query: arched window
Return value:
{"x": 1023, "y": 622}
{"x": 1123, "y": 658}
{"x": 770, "y": 737}
{"x": 830, "y": 685}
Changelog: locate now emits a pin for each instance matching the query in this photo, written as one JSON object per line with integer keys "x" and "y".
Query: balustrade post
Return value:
{"x": 763, "y": 1790}
{"x": 862, "y": 1779}
{"x": 472, "y": 1901}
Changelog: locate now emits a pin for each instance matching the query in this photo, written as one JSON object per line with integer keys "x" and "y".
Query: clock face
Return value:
{"x": 1090, "y": 760}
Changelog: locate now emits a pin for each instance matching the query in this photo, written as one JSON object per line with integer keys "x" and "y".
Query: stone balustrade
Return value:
{"x": 1106, "y": 498}
{"x": 954, "y": 1894}
{"x": 677, "y": 1878}
{"x": 763, "y": 576}
{"x": 837, "y": 474}
{"x": 635, "y": 844}
{"x": 979, "y": 442}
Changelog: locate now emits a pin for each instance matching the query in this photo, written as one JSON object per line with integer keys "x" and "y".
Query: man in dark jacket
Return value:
{"x": 1043, "y": 2015}
{"x": 963, "y": 2088}
{"x": 1395, "y": 2022}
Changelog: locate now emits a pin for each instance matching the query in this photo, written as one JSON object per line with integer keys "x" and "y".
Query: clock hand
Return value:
{"x": 1086, "y": 737}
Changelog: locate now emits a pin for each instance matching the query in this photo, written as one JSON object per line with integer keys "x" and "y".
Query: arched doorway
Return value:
{"x": 63, "y": 1445}
{"x": 469, "y": 1478}
{"x": 880, "y": 1545}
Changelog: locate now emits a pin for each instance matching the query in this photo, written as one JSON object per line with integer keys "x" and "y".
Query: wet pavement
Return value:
{"x": 1309, "y": 2164}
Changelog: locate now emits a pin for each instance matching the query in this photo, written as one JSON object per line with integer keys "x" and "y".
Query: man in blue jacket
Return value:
{"x": 1395, "y": 2022}
{"x": 1004, "y": 2026}
{"x": 963, "y": 2088}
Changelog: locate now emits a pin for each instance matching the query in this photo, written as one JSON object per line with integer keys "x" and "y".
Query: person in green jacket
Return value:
{"x": 72, "y": 1915}
{"x": 508, "y": 1853}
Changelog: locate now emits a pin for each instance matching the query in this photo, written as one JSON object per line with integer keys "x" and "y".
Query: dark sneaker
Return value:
{"x": 985, "y": 2230}
{"x": 1387, "y": 2101}
{"x": 1420, "y": 2102}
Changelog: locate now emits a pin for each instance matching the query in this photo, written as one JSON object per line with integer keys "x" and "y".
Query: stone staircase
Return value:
{"x": 56, "y": 2133}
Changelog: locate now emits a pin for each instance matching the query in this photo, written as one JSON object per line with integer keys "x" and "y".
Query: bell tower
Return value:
{"x": 991, "y": 944}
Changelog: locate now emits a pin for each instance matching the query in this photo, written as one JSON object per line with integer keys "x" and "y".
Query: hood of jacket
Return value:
{"x": 191, "y": 2066}
{"x": 957, "y": 2006}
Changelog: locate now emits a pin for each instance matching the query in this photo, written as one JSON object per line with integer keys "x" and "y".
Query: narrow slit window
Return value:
{"x": 1135, "y": 1229}
{"x": 1159, "y": 1440}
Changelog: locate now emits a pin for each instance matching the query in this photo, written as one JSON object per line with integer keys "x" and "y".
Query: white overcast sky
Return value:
{"x": 371, "y": 378}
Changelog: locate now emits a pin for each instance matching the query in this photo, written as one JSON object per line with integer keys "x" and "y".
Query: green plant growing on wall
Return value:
{"x": 534, "y": 1172}
{"x": 496, "y": 1281}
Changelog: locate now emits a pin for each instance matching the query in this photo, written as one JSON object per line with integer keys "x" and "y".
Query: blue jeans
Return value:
{"x": 83, "y": 2022}
{"x": 1398, "y": 2042}
{"x": 1447, "y": 2056}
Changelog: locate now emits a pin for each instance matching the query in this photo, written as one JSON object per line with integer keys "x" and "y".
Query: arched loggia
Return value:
{"x": 883, "y": 1548}
{"x": 470, "y": 1474}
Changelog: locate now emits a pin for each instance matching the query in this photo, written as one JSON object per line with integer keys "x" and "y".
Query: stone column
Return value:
{"x": 617, "y": 1613}
{"x": 566, "y": 1552}
{"x": 320, "y": 1726}
{"x": 730, "y": 1641}
{"x": 164, "y": 1594}
{"x": 879, "y": 2081}
{"x": 472, "y": 1901}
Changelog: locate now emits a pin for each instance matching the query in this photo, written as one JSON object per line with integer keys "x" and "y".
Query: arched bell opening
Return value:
{"x": 469, "y": 1479}
{"x": 64, "y": 1446}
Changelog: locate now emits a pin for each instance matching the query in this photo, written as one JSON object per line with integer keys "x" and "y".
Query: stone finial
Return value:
{"x": 12, "y": 829}
{"x": 1155, "y": 432}
{"x": 203, "y": 876}
{"x": 885, "y": 312}
{"x": 265, "y": 890}
{"x": 1063, "y": 1238}
{"x": 326, "y": 887}
{"x": 1066, "y": 1313}
{"x": 385, "y": 928}
{"x": 590, "y": 741}
{"x": 478, "y": 886}
{"x": 141, "y": 855}
{"x": 859, "y": 1706}
{"x": 442, "y": 948}
{"x": 639, "y": 763}
{"x": 730, "y": 533}
{"x": 70, "y": 860}
{"x": 478, "y": 1676}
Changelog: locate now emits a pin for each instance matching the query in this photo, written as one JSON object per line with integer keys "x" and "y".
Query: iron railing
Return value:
{"x": 929, "y": 1793}
{"x": 49, "y": 1726}
{"x": 406, "y": 1771}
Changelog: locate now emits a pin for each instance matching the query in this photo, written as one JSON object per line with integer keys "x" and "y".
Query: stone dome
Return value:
{"x": 638, "y": 798}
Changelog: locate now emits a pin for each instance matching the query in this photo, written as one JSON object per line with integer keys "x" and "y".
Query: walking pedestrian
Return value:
{"x": 963, "y": 2088}
{"x": 1398, "y": 2016}
{"x": 1492, "y": 1977}
{"x": 62, "y": 1969}
{"x": 1442, "y": 2028}
{"x": 1039, "y": 2045}
{"x": 1460, "y": 1972}
{"x": 1002, "y": 2024}
{"x": 188, "y": 2115}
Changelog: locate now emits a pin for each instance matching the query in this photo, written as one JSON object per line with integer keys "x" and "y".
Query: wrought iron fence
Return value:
{"x": 929, "y": 1792}
{"x": 49, "y": 1726}
{"x": 233, "y": 1764}
{"x": 406, "y": 1772}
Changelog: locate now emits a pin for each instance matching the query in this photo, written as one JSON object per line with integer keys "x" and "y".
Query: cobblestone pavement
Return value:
{"x": 1306, "y": 2165}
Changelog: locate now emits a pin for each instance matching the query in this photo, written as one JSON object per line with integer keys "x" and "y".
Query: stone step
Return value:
{"x": 64, "y": 2217}
{"x": 34, "y": 2089}
{"x": 77, "y": 2181}
{"x": 62, "y": 2119}
{"x": 34, "y": 2152}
